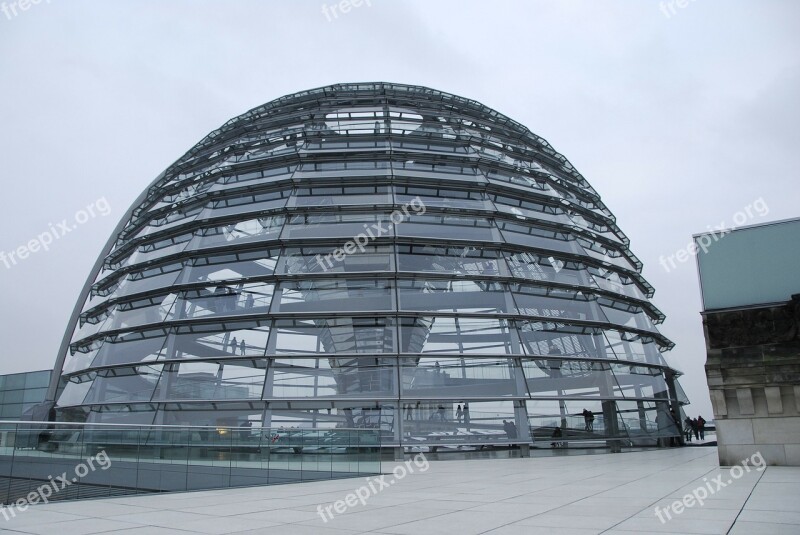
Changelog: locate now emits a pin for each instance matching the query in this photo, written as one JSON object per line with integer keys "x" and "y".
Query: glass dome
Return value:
{"x": 372, "y": 256}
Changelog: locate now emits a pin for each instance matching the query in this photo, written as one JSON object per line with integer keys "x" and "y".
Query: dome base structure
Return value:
{"x": 374, "y": 256}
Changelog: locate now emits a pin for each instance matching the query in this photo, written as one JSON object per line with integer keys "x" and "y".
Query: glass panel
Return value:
{"x": 78, "y": 361}
{"x": 340, "y": 335}
{"x": 252, "y": 230}
{"x": 614, "y": 282}
{"x": 547, "y": 338}
{"x": 338, "y": 144}
{"x": 132, "y": 414}
{"x": 628, "y": 316}
{"x": 33, "y": 395}
{"x": 633, "y": 348}
{"x": 128, "y": 351}
{"x": 454, "y": 296}
{"x": 338, "y": 225}
{"x": 136, "y": 313}
{"x": 240, "y": 265}
{"x": 373, "y": 258}
{"x": 559, "y": 422}
{"x": 477, "y": 422}
{"x": 245, "y": 204}
{"x": 548, "y": 268}
{"x": 557, "y": 377}
{"x": 91, "y": 327}
{"x": 426, "y": 169}
{"x": 457, "y": 335}
{"x": 124, "y": 384}
{"x": 640, "y": 381}
{"x": 225, "y": 300}
{"x": 37, "y": 379}
{"x": 538, "y": 237}
{"x": 74, "y": 393}
{"x": 348, "y": 415}
{"x": 466, "y": 260}
{"x": 274, "y": 174}
{"x": 332, "y": 378}
{"x": 130, "y": 287}
{"x": 607, "y": 255}
{"x": 218, "y": 380}
{"x": 433, "y": 197}
{"x": 180, "y": 216}
{"x": 216, "y": 418}
{"x": 449, "y": 227}
{"x": 419, "y": 143}
{"x": 666, "y": 422}
{"x": 342, "y": 195}
{"x": 524, "y": 187}
{"x": 14, "y": 396}
{"x": 641, "y": 420}
{"x": 156, "y": 249}
{"x": 518, "y": 179}
{"x": 209, "y": 341}
{"x": 333, "y": 295}
{"x": 459, "y": 377}
{"x": 524, "y": 209}
{"x": 557, "y": 303}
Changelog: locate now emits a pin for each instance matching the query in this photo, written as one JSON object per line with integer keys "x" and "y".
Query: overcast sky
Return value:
{"x": 679, "y": 118}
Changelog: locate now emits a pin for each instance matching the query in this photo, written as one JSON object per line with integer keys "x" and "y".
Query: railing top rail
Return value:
{"x": 149, "y": 426}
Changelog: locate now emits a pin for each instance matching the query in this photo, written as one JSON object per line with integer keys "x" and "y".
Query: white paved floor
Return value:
{"x": 570, "y": 494}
